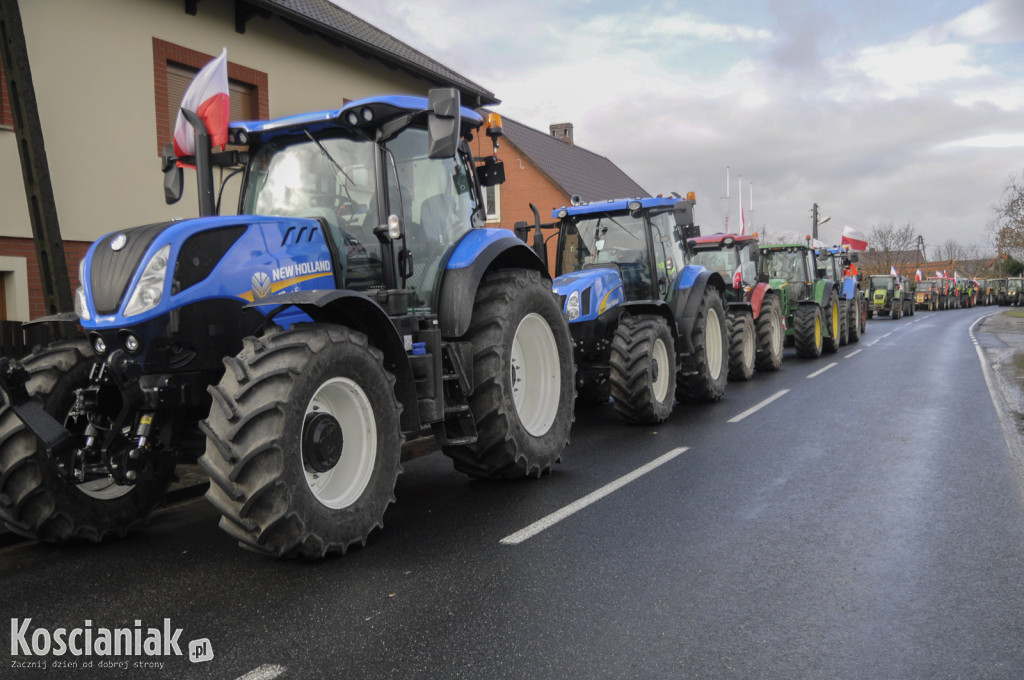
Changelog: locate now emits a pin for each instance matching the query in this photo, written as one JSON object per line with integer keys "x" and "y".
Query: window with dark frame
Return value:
{"x": 175, "y": 66}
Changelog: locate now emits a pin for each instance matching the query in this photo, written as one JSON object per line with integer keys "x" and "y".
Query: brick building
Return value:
{"x": 548, "y": 169}
{"x": 108, "y": 76}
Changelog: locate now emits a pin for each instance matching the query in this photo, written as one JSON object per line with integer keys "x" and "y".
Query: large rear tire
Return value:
{"x": 770, "y": 335}
{"x": 807, "y": 335}
{"x": 522, "y": 400}
{"x": 703, "y": 374}
{"x": 742, "y": 350}
{"x": 304, "y": 442}
{"x": 38, "y": 502}
{"x": 643, "y": 370}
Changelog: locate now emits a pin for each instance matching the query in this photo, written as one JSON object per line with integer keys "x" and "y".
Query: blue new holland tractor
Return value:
{"x": 647, "y": 326}
{"x": 354, "y": 303}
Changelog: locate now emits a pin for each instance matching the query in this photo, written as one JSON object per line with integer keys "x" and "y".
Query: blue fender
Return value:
{"x": 477, "y": 253}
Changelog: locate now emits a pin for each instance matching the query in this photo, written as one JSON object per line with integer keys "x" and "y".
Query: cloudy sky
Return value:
{"x": 879, "y": 111}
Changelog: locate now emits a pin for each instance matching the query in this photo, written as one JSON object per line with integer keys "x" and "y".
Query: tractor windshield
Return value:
{"x": 610, "y": 240}
{"x": 724, "y": 261}
{"x": 329, "y": 178}
{"x": 878, "y": 282}
{"x": 788, "y": 265}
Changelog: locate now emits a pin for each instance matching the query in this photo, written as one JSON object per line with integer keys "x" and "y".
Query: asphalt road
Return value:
{"x": 856, "y": 516}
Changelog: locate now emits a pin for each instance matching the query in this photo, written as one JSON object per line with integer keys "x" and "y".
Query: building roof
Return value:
{"x": 343, "y": 28}
{"x": 573, "y": 169}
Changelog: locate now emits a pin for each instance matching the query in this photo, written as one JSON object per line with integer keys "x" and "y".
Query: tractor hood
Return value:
{"x": 135, "y": 275}
{"x": 587, "y": 294}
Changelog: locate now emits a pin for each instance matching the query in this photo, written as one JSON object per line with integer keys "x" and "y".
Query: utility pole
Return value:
{"x": 42, "y": 208}
{"x": 816, "y": 223}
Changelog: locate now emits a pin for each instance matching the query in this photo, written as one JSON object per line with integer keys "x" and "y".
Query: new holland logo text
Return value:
{"x": 300, "y": 269}
{"x": 87, "y": 640}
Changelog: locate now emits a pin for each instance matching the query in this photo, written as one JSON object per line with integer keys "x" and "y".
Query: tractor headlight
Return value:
{"x": 572, "y": 306}
{"x": 81, "y": 308}
{"x": 150, "y": 288}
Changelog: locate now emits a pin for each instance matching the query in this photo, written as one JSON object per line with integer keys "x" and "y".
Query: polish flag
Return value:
{"x": 207, "y": 96}
{"x": 855, "y": 239}
{"x": 918, "y": 276}
{"x": 939, "y": 274}
{"x": 737, "y": 278}
{"x": 893, "y": 272}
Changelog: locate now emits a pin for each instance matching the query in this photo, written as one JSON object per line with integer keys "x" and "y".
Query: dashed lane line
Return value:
{"x": 854, "y": 353}
{"x": 822, "y": 370}
{"x": 591, "y": 498}
{"x": 757, "y": 407}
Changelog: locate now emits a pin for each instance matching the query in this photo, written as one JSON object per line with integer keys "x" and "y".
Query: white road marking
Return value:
{"x": 267, "y": 671}
{"x": 557, "y": 516}
{"x": 754, "y": 409}
{"x": 986, "y": 370}
{"x": 886, "y": 335}
{"x": 854, "y": 353}
{"x": 822, "y": 370}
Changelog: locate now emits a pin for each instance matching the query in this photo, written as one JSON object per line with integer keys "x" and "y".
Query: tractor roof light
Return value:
{"x": 691, "y": 196}
{"x": 353, "y": 118}
{"x": 367, "y": 114}
{"x": 494, "y": 125}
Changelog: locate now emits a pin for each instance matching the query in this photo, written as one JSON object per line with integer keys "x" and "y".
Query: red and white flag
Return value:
{"x": 207, "y": 95}
{"x": 893, "y": 272}
{"x": 855, "y": 239}
{"x": 918, "y": 276}
{"x": 939, "y": 274}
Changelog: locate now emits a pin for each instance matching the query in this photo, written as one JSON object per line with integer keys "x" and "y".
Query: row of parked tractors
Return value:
{"x": 894, "y": 296}
{"x": 355, "y": 307}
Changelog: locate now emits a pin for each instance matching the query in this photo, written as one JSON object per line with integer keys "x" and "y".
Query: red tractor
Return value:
{"x": 754, "y": 315}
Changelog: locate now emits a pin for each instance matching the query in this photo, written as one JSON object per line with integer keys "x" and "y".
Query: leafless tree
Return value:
{"x": 1007, "y": 225}
{"x": 896, "y": 246}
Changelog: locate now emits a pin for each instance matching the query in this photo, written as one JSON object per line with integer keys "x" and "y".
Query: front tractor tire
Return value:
{"x": 770, "y": 335}
{"x": 807, "y": 333}
{"x": 703, "y": 374}
{"x": 36, "y": 501}
{"x": 304, "y": 442}
{"x": 742, "y": 352}
{"x": 642, "y": 370}
{"x": 523, "y": 397}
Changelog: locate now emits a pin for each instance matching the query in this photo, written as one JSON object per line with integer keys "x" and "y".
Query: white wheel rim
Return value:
{"x": 713, "y": 344}
{"x": 344, "y": 483}
{"x": 660, "y": 359}
{"x": 748, "y": 345}
{"x": 535, "y": 374}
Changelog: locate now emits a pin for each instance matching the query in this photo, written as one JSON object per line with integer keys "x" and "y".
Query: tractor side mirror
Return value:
{"x": 174, "y": 177}
{"x": 443, "y": 122}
